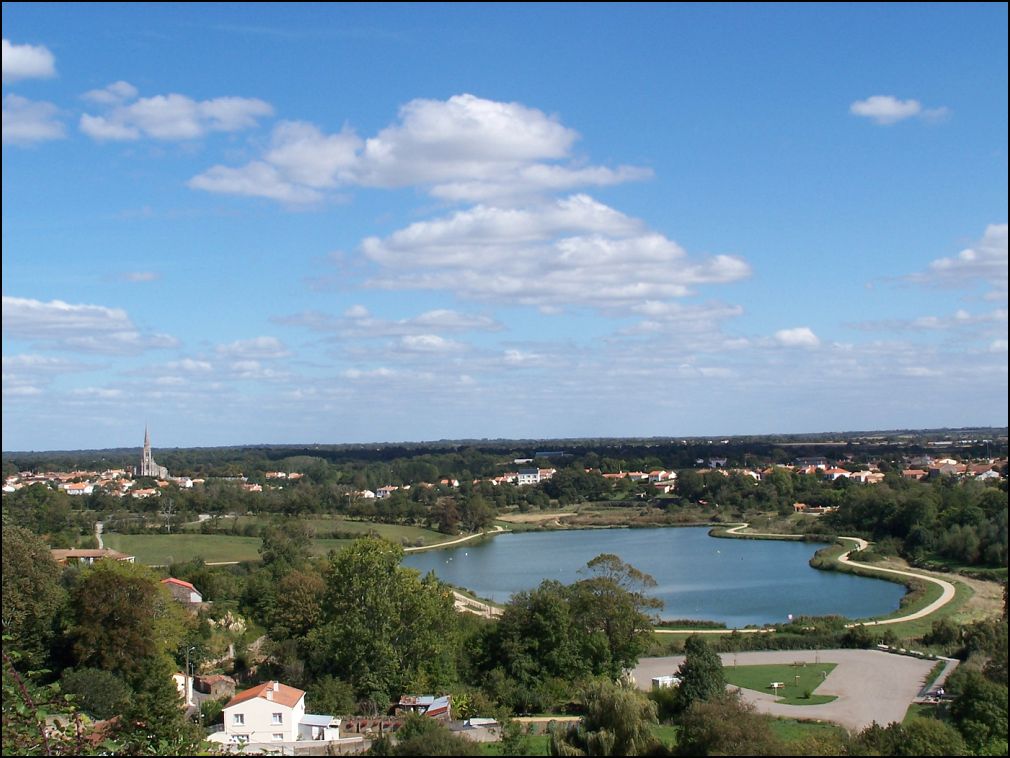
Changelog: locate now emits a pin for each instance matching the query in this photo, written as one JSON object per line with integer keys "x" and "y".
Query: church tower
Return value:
{"x": 148, "y": 467}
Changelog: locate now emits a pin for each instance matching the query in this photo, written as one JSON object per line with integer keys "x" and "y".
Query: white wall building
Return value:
{"x": 273, "y": 713}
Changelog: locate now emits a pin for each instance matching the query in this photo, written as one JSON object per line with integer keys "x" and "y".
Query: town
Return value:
{"x": 251, "y": 624}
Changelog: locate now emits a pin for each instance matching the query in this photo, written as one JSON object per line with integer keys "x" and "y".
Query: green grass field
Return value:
{"x": 791, "y": 730}
{"x": 328, "y": 524}
{"x": 798, "y": 680}
{"x": 162, "y": 549}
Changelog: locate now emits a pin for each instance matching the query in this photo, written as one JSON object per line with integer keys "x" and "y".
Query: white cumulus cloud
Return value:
{"x": 27, "y": 62}
{"x": 465, "y": 148}
{"x": 887, "y": 109}
{"x": 573, "y": 250}
{"x": 28, "y": 121}
{"x": 800, "y": 336}
{"x": 90, "y": 328}
{"x": 167, "y": 117}
{"x": 255, "y": 348}
{"x": 985, "y": 261}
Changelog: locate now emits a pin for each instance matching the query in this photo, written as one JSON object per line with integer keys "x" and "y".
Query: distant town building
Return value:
{"x": 528, "y": 476}
{"x": 148, "y": 466}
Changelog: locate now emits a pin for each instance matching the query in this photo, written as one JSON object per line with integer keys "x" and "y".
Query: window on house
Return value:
{"x": 279, "y": 737}
{"x": 278, "y": 718}
{"x": 238, "y": 719}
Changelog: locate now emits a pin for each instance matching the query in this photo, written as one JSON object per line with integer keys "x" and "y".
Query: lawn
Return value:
{"x": 798, "y": 681}
{"x": 791, "y": 730}
{"x": 407, "y": 535}
{"x": 539, "y": 744}
{"x": 163, "y": 549}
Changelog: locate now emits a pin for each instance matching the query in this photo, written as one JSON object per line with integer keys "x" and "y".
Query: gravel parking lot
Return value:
{"x": 870, "y": 685}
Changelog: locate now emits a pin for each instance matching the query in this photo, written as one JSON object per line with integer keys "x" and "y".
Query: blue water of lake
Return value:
{"x": 737, "y": 582}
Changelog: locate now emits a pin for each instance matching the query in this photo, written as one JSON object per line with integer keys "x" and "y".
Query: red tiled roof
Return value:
{"x": 180, "y": 582}
{"x": 284, "y": 694}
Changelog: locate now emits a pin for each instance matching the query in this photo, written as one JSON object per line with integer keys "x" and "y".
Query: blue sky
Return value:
{"x": 347, "y": 223}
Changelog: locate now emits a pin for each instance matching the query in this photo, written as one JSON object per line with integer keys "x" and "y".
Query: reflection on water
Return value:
{"x": 738, "y": 582}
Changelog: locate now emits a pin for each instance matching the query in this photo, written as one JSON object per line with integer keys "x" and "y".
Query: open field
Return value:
{"x": 798, "y": 680}
{"x": 412, "y": 535}
{"x": 532, "y": 518}
{"x": 163, "y": 549}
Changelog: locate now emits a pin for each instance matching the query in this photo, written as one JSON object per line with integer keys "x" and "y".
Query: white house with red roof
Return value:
{"x": 273, "y": 713}
{"x": 836, "y": 473}
{"x": 182, "y": 591}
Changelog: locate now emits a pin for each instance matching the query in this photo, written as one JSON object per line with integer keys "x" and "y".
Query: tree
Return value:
{"x": 123, "y": 618}
{"x": 27, "y": 707}
{"x": 32, "y": 595}
{"x": 917, "y": 736}
{"x": 286, "y": 547}
{"x": 979, "y": 711}
{"x": 296, "y": 605}
{"x": 725, "y": 725}
{"x": 327, "y": 694}
{"x": 701, "y": 674}
{"x": 383, "y": 629}
{"x": 536, "y": 637}
{"x": 421, "y": 735}
{"x": 618, "y": 721}
{"x": 613, "y": 603}
{"x": 98, "y": 693}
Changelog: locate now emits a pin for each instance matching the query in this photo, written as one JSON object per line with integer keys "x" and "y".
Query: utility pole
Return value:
{"x": 187, "y": 687}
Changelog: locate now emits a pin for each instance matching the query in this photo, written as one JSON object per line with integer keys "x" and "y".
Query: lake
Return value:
{"x": 737, "y": 582}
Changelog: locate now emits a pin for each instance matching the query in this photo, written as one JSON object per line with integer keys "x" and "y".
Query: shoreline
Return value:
{"x": 841, "y": 562}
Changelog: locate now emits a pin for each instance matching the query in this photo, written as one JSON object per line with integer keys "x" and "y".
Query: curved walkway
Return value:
{"x": 860, "y": 544}
{"x": 456, "y": 541}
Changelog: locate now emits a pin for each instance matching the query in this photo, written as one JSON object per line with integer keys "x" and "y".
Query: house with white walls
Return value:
{"x": 273, "y": 713}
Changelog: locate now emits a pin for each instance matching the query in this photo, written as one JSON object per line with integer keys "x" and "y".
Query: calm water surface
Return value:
{"x": 738, "y": 582}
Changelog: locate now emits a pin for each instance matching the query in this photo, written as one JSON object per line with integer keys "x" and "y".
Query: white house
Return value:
{"x": 273, "y": 712}
{"x": 528, "y": 476}
{"x": 182, "y": 591}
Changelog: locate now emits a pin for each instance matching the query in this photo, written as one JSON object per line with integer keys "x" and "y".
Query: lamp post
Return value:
{"x": 187, "y": 691}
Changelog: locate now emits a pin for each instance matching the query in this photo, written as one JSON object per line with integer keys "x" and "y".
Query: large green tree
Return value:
{"x": 123, "y": 619}
{"x": 384, "y": 629}
{"x": 701, "y": 675}
{"x": 612, "y": 605}
{"x": 725, "y": 725}
{"x": 32, "y": 595}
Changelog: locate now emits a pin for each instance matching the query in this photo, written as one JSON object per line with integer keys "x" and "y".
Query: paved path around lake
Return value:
{"x": 870, "y": 685}
{"x": 946, "y": 595}
{"x": 456, "y": 541}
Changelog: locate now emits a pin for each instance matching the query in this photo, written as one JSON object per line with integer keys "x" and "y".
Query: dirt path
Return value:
{"x": 457, "y": 541}
{"x": 533, "y": 518}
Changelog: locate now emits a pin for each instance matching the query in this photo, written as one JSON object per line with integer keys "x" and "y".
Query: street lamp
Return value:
{"x": 188, "y": 689}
